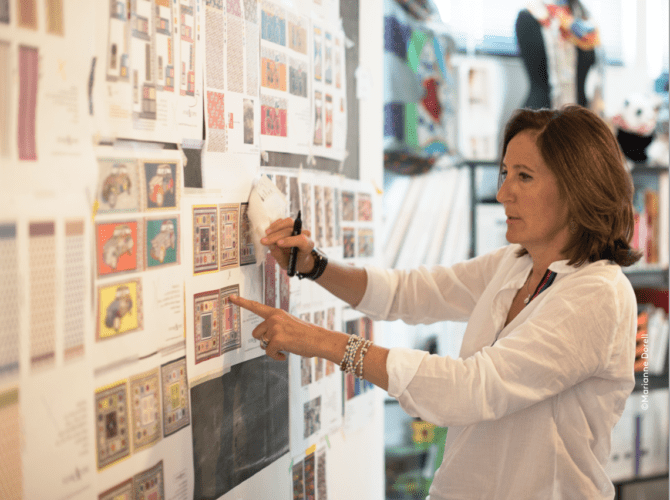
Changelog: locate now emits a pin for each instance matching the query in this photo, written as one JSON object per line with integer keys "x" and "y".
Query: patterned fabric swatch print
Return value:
{"x": 270, "y": 281}
{"x": 321, "y": 483}
{"x": 42, "y": 255}
{"x": 213, "y": 42}
{"x": 233, "y": 8}
{"x": 111, "y": 421}
{"x": 231, "y": 332}
{"x": 229, "y": 236}
{"x": 11, "y": 473}
{"x": 252, "y": 51}
{"x": 145, "y": 407}
{"x": 74, "y": 293}
{"x": 235, "y": 53}
{"x": 207, "y": 327}
{"x": 251, "y": 11}
{"x": 28, "y": 76}
{"x": 149, "y": 484}
{"x": 205, "y": 239}
{"x": 122, "y": 491}
{"x": 9, "y": 304}
{"x": 176, "y": 410}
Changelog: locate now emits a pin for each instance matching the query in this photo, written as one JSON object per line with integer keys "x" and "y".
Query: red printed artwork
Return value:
{"x": 273, "y": 121}
{"x": 117, "y": 247}
{"x": 215, "y": 109}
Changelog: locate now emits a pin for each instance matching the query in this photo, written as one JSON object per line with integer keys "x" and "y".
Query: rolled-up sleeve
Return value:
{"x": 428, "y": 295}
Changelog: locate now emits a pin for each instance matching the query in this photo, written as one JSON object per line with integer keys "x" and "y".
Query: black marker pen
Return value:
{"x": 293, "y": 256}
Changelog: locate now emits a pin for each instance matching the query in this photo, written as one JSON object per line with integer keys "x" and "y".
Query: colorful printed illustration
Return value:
{"x": 231, "y": 332}
{"x": 310, "y": 479}
{"x": 161, "y": 185}
{"x": 273, "y": 69}
{"x": 298, "y": 481}
{"x": 297, "y": 34}
{"x": 318, "y": 53}
{"x": 270, "y": 281}
{"x": 119, "y": 309}
{"x": 273, "y": 23}
{"x": 312, "y": 414}
{"x": 329, "y": 121}
{"x": 366, "y": 242}
{"x": 117, "y": 185}
{"x": 117, "y": 249}
{"x": 207, "y": 325}
{"x": 321, "y": 484}
{"x": 274, "y": 115}
{"x": 187, "y": 52}
{"x": 349, "y": 242}
{"x": 328, "y": 60}
{"x": 111, "y": 424}
{"x": 318, "y": 119}
{"x": 305, "y": 371}
{"x": 284, "y": 290}
{"x": 297, "y": 77}
{"x": 123, "y": 491}
{"x": 247, "y": 255}
{"x": 364, "y": 207}
{"x": 205, "y": 239}
{"x": 229, "y": 215}
{"x": 248, "y": 116}
{"x": 164, "y": 42}
{"x": 330, "y": 216}
{"x": 162, "y": 242}
{"x": 176, "y": 414}
{"x": 149, "y": 484}
{"x": 348, "y": 206}
{"x": 145, "y": 409}
{"x": 118, "y": 43}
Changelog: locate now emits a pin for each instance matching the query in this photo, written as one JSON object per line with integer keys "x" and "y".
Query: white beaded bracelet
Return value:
{"x": 358, "y": 369}
{"x": 353, "y": 344}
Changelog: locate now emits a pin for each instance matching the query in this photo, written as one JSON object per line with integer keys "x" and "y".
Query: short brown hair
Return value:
{"x": 581, "y": 151}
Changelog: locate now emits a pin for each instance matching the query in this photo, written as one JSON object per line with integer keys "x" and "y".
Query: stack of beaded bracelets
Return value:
{"x": 353, "y": 344}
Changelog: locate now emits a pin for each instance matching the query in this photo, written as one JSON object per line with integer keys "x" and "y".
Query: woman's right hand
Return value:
{"x": 279, "y": 241}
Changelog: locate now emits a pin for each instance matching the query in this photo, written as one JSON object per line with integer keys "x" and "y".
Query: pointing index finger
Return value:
{"x": 251, "y": 305}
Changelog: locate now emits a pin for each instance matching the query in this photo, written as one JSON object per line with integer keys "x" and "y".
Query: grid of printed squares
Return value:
{"x": 131, "y": 245}
{"x": 357, "y": 231}
{"x": 314, "y": 369}
{"x": 221, "y": 237}
{"x": 135, "y": 414}
{"x": 309, "y": 476}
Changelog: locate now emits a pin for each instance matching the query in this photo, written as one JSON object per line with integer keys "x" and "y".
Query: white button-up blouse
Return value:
{"x": 530, "y": 406}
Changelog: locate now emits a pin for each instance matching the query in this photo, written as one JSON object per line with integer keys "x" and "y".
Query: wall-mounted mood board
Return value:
{"x": 131, "y": 133}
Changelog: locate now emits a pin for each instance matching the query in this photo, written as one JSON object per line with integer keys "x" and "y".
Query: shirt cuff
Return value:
{"x": 402, "y": 365}
{"x": 376, "y": 300}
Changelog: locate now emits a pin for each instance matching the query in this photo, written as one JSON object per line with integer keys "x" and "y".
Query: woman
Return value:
{"x": 547, "y": 359}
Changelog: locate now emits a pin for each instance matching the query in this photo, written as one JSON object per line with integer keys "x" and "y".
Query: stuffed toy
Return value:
{"x": 636, "y": 124}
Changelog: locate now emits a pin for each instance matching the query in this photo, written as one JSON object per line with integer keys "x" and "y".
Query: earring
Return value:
{"x": 572, "y": 226}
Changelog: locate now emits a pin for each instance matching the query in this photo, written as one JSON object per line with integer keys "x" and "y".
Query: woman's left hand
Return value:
{"x": 281, "y": 332}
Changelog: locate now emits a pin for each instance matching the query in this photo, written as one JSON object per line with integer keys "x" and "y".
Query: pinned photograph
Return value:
{"x": 118, "y": 185}
{"x": 162, "y": 242}
{"x": 117, "y": 248}
{"x": 162, "y": 186}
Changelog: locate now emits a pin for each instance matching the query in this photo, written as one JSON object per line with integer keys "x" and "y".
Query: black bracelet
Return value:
{"x": 320, "y": 263}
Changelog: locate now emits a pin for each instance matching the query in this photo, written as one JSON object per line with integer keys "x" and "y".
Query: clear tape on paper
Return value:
{"x": 266, "y": 204}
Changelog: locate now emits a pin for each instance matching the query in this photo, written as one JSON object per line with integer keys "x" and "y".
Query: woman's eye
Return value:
{"x": 524, "y": 176}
